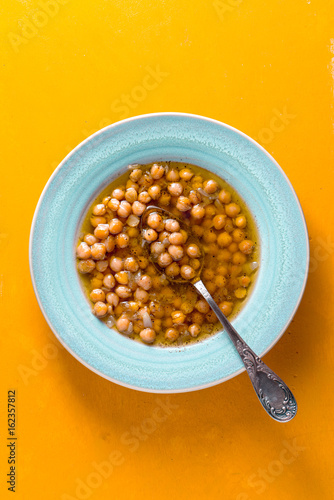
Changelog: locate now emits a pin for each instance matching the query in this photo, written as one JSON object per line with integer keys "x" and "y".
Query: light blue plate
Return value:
{"x": 89, "y": 168}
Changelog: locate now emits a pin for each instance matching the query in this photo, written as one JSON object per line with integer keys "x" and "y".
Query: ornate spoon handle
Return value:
{"x": 274, "y": 395}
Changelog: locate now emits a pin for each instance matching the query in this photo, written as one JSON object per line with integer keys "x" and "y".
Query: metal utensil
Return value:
{"x": 274, "y": 395}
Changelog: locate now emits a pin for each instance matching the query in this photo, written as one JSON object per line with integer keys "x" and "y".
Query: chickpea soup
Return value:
{"x": 137, "y": 273}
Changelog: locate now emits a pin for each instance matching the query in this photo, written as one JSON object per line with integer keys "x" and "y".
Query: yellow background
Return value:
{"x": 65, "y": 70}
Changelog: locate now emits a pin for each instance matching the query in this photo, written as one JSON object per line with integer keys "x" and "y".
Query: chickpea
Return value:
{"x": 222, "y": 270}
{"x": 100, "y": 309}
{"x": 116, "y": 264}
{"x": 202, "y": 306}
{"x": 238, "y": 235}
{"x": 224, "y": 239}
{"x": 184, "y": 234}
{"x": 123, "y": 291}
{"x": 220, "y": 281}
{"x": 233, "y": 247}
{"x": 232, "y": 209}
{"x": 193, "y": 251}
{"x": 176, "y": 251}
{"x": 113, "y": 204}
{"x": 136, "y": 174}
{"x": 184, "y": 261}
{"x": 148, "y": 335}
{"x": 90, "y": 239}
{"x": 244, "y": 280}
{"x": 177, "y": 302}
{"x": 187, "y": 272}
{"x": 131, "y": 195}
{"x": 101, "y": 265}
{"x": 138, "y": 208}
{"x": 83, "y": 251}
{"x": 105, "y": 200}
{"x": 197, "y": 317}
{"x": 122, "y": 240}
{"x": 186, "y": 174}
{"x": 239, "y": 258}
{"x": 118, "y": 194}
{"x": 210, "y": 186}
{"x": 228, "y": 225}
{"x": 96, "y": 283}
{"x": 97, "y": 295}
{"x": 101, "y": 231}
{"x": 165, "y": 199}
{"x": 198, "y": 212}
{"x": 167, "y": 322}
{"x": 219, "y": 221}
{"x": 172, "y": 175}
{"x": 123, "y": 323}
{"x": 194, "y": 329}
{"x": 172, "y": 225}
{"x": 176, "y": 238}
{"x": 141, "y": 295}
{"x": 130, "y": 264}
{"x": 145, "y": 282}
{"x": 210, "y": 317}
{"x": 109, "y": 243}
{"x": 209, "y": 236}
{"x": 178, "y": 317}
{"x": 194, "y": 197}
{"x": 95, "y": 221}
{"x": 197, "y": 181}
{"x": 157, "y": 248}
{"x": 211, "y": 287}
{"x": 164, "y": 259}
{"x": 112, "y": 299}
{"x": 224, "y": 196}
{"x": 224, "y": 255}
{"x": 156, "y": 309}
{"x": 99, "y": 209}
{"x": 240, "y": 293}
{"x": 172, "y": 270}
{"x": 195, "y": 264}
{"x": 183, "y": 204}
{"x": 210, "y": 211}
{"x": 163, "y": 237}
{"x": 115, "y": 226}
{"x": 143, "y": 262}
{"x": 240, "y": 221}
{"x": 144, "y": 197}
{"x": 150, "y": 235}
{"x": 154, "y": 220}
{"x": 207, "y": 223}
{"x": 157, "y": 171}
{"x": 154, "y": 192}
{"x": 98, "y": 251}
{"x": 226, "y": 307}
{"x": 235, "y": 270}
{"x": 124, "y": 209}
{"x": 172, "y": 334}
{"x": 198, "y": 230}
{"x": 246, "y": 246}
{"x": 122, "y": 277}
{"x": 186, "y": 307}
{"x": 175, "y": 188}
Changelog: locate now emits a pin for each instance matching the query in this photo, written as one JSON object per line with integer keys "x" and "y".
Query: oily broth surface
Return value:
{"x": 181, "y": 289}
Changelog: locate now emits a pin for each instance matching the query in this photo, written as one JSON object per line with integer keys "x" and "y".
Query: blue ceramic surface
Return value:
{"x": 92, "y": 166}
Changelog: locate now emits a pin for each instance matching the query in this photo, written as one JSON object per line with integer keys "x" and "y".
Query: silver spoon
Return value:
{"x": 274, "y": 395}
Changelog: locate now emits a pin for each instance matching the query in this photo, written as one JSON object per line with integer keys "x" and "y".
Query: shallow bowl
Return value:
{"x": 94, "y": 164}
